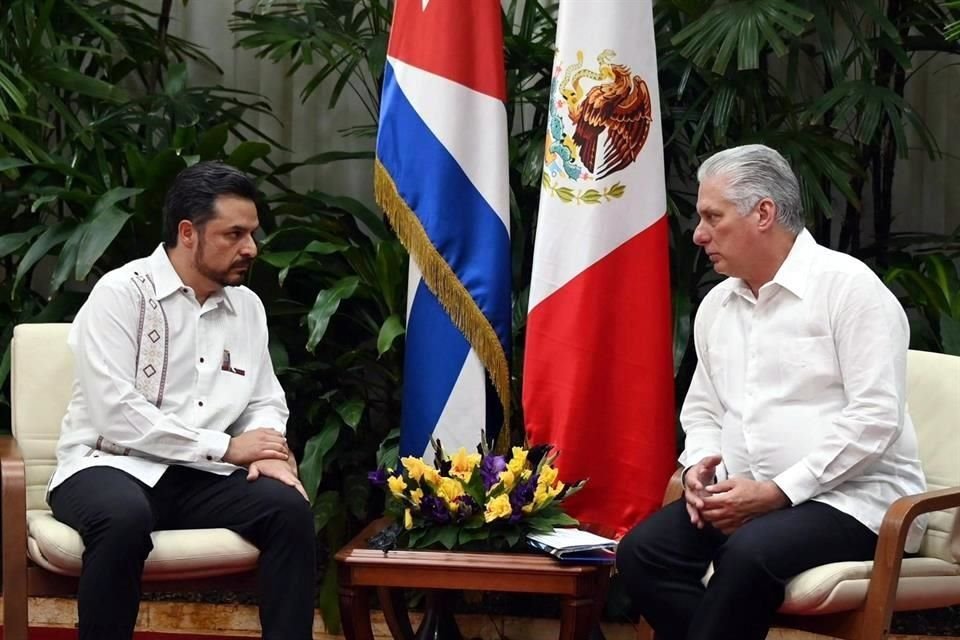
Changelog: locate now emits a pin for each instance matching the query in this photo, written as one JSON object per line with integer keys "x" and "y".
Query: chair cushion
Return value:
{"x": 177, "y": 554}
{"x": 841, "y": 586}
{"x": 925, "y": 583}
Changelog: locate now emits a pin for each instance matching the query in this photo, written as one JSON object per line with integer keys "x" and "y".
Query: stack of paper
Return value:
{"x": 575, "y": 545}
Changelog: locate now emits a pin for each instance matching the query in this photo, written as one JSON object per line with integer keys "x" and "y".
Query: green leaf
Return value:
{"x": 391, "y": 328}
{"x": 325, "y": 507}
{"x": 67, "y": 261}
{"x": 176, "y": 79}
{"x": 184, "y": 137}
{"x": 77, "y": 82}
{"x": 468, "y": 535}
{"x": 13, "y": 241}
{"x": 6, "y": 164}
{"x": 211, "y": 142}
{"x": 328, "y": 599}
{"x": 351, "y": 411}
{"x": 278, "y": 354}
{"x": 448, "y": 537}
{"x": 950, "y": 334}
{"x": 246, "y": 153}
{"x": 356, "y": 494}
{"x": 5, "y": 365}
{"x": 326, "y": 304}
{"x": 106, "y": 222}
{"x": 311, "y": 467}
{"x": 50, "y": 238}
{"x": 370, "y": 219}
{"x": 388, "y": 454}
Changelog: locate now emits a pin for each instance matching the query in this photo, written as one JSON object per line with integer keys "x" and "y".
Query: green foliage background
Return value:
{"x": 97, "y": 114}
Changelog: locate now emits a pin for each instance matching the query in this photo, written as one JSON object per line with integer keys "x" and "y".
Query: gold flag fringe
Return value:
{"x": 451, "y": 293}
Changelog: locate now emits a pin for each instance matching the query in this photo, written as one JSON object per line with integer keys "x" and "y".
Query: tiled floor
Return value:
{"x": 242, "y": 621}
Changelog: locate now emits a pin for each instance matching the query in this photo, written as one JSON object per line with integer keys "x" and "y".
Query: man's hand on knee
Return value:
{"x": 278, "y": 470}
{"x": 256, "y": 444}
{"x": 735, "y": 501}
{"x": 694, "y": 482}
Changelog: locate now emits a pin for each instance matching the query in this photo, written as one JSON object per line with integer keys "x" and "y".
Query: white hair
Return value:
{"x": 754, "y": 172}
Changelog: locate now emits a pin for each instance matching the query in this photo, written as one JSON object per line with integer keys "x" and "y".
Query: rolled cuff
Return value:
{"x": 213, "y": 445}
{"x": 798, "y": 483}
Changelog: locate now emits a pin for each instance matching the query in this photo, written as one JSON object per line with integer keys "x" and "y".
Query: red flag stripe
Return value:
{"x": 598, "y": 383}
{"x": 413, "y": 39}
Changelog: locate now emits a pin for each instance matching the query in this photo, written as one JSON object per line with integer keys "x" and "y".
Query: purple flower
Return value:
{"x": 468, "y": 507}
{"x": 490, "y": 470}
{"x": 434, "y": 509}
{"x": 378, "y": 478}
{"x": 522, "y": 495}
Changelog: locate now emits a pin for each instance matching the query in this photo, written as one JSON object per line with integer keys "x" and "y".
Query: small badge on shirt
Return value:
{"x": 225, "y": 365}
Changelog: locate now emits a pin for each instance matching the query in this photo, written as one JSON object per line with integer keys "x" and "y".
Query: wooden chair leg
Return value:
{"x": 14, "y": 521}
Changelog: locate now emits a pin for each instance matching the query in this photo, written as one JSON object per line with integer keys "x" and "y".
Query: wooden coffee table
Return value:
{"x": 362, "y": 570}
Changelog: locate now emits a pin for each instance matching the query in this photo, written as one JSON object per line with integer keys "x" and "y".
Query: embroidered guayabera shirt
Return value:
{"x": 805, "y": 385}
{"x": 161, "y": 379}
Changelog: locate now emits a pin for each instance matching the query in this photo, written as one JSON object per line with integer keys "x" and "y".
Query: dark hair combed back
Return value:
{"x": 194, "y": 192}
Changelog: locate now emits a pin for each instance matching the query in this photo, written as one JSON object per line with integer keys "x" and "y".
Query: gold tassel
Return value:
{"x": 451, "y": 293}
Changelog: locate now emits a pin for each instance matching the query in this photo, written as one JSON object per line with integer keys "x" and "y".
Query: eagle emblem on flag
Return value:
{"x": 599, "y": 120}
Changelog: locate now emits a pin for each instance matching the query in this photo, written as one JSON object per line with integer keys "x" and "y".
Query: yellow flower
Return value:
{"x": 416, "y": 496}
{"x": 518, "y": 461}
{"x": 499, "y": 507}
{"x": 414, "y": 466}
{"x": 432, "y": 477}
{"x": 548, "y": 475}
{"x": 543, "y": 494}
{"x": 450, "y": 489}
{"x": 397, "y": 485}
{"x": 463, "y": 464}
{"x": 540, "y": 497}
{"x": 508, "y": 478}
{"x": 407, "y": 519}
{"x": 557, "y": 488}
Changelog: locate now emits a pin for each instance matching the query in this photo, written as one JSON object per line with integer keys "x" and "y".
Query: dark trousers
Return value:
{"x": 115, "y": 514}
{"x": 663, "y": 560}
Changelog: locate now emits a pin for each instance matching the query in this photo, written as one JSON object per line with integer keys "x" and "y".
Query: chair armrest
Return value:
{"x": 674, "y": 490}
{"x": 888, "y": 558}
{"x": 13, "y": 513}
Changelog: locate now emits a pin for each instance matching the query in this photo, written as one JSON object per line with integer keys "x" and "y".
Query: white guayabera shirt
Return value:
{"x": 805, "y": 385}
{"x": 218, "y": 380}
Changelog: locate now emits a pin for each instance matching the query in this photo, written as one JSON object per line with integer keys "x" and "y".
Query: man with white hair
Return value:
{"x": 797, "y": 433}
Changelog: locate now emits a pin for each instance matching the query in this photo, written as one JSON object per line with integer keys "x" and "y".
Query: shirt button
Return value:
{"x": 201, "y": 360}
{"x": 184, "y": 290}
{"x": 209, "y": 457}
{"x": 200, "y": 402}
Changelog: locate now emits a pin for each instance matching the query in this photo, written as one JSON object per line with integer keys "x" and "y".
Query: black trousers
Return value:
{"x": 115, "y": 514}
{"x": 663, "y": 560}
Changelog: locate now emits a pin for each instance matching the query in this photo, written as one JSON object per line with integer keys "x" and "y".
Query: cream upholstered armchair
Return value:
{"x": 41, "y": 556}
{"x": 856, "y": 600}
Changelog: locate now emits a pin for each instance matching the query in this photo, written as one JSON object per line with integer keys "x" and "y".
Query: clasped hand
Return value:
{"x": 729, "y": 504}
{"x": 265, "y": 453}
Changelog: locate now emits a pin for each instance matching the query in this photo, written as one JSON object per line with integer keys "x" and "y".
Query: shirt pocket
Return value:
{"x": 808, "y": 367}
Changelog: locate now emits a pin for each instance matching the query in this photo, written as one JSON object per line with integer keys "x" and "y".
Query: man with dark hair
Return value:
{"x": 797, "y": 434}
{"x": 177, "y": 420}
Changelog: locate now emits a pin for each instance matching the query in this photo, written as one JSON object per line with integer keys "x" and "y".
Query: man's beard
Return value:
{"x": 230, "y": 277}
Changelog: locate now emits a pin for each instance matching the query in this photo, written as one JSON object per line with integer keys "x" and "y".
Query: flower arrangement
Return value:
{"x": 476, "y": 500}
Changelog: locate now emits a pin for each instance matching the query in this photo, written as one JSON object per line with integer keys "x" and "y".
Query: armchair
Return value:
{"x": 856, "y": 600}
{"x": 42, "y": 556}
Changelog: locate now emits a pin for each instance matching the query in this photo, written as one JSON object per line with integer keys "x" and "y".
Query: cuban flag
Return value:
{"x": 598, "y": 364}
{"x": 441, "y": 178}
